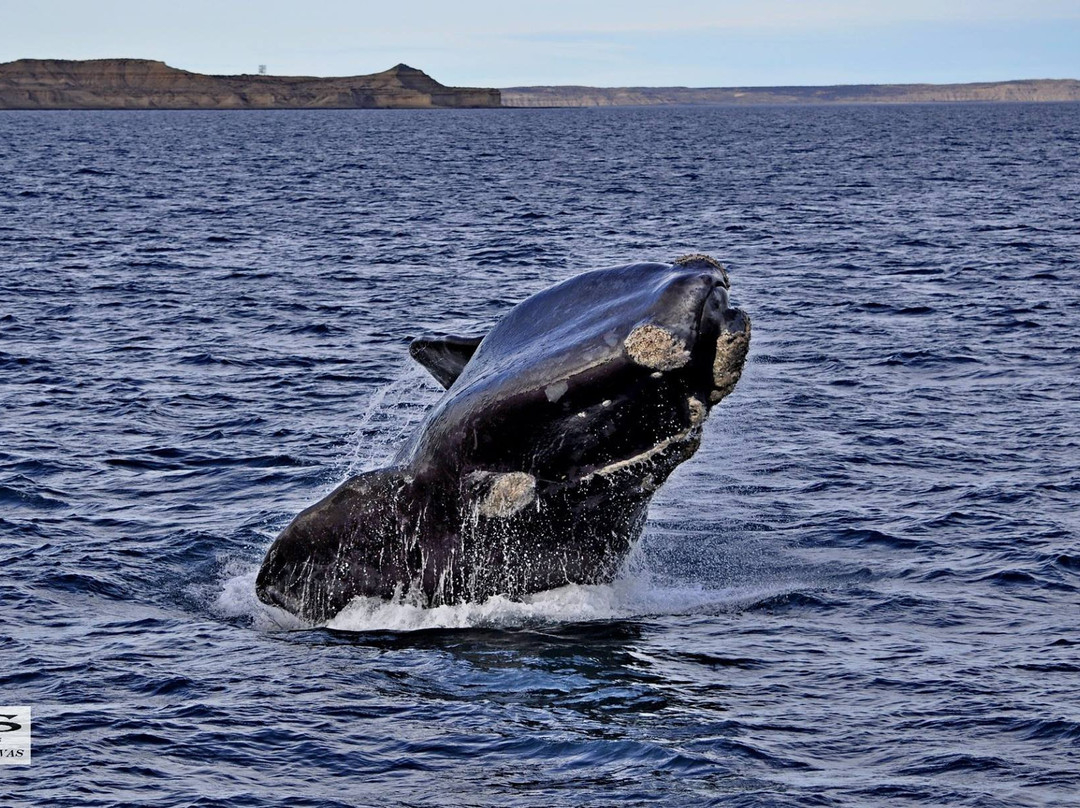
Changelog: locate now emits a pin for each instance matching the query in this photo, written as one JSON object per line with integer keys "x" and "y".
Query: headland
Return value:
{"x": 148, "y": 84}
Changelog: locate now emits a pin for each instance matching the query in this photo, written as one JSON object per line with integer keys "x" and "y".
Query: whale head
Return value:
{"x": 612, "y": 371}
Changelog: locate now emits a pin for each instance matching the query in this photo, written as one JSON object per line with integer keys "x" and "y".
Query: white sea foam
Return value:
{"x": 625, "y": 599}
{"x": 633, "y": 597}
{"x": 237, "y": 600}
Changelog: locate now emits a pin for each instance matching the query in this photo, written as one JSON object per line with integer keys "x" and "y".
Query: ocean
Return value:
{"x": 863, "y": 590}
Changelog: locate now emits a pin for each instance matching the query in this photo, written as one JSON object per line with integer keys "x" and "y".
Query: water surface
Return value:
{"x": 863, "y": 590}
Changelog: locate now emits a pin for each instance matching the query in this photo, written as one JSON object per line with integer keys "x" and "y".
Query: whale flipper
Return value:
{"x": 444, "y": 357}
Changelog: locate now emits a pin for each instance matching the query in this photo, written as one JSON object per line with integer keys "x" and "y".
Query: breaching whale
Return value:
{"x": 536, "y": 467}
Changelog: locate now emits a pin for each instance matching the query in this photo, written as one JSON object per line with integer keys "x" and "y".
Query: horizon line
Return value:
{"x": 565, "y": 85}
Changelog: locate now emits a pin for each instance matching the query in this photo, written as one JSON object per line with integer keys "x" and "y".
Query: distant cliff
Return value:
{"x": 146, "y": 84}
{"x": 1027, "y": 90}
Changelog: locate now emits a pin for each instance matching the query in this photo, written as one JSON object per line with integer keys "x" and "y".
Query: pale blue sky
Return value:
{"x": 500, "y": 44}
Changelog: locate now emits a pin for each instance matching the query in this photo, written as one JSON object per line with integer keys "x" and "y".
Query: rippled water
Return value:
{"x": 863, "y": 590}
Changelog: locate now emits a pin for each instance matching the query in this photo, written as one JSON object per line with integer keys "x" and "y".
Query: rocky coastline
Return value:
{"x": 148, "y": 84}
{"x": 1046, "y": 90}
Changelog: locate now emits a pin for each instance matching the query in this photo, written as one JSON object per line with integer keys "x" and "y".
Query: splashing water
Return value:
{"x": 391, "y": 415}
{"x": 628, "y": 597}
{"x": 631, "y": 597}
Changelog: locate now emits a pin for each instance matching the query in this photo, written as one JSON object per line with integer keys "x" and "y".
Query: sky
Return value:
{"x": 500, "y": 43}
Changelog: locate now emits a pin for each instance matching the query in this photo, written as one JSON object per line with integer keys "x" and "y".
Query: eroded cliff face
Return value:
{"x": 147, "y": 84}
{"x": 1027, "y": 90}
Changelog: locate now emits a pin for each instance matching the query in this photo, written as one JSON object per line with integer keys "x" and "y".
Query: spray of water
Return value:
{"x": 391, "y": 415}
{"x": 630, "y": 597}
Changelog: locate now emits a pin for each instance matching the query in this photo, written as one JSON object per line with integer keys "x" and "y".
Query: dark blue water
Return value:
{"x": 864, "y": 589}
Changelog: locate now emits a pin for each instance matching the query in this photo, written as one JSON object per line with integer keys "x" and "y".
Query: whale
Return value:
{"x": 535, "y": 468}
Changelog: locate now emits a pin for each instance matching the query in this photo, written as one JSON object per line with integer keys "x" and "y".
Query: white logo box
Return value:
{"x": 14, "y": 736}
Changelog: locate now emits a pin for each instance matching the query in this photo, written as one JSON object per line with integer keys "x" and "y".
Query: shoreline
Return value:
{"x": 144, "y": 84}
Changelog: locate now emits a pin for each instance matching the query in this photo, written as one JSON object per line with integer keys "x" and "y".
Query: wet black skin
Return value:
{"x": 552, "y": 391}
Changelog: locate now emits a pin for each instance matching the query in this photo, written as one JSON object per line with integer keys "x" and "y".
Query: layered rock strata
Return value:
{"x": 146, "y": 84}
{"x": 570, "y": 96}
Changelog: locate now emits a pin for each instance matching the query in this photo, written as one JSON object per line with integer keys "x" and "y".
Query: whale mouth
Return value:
{"x": 651, "y": 465}
{"x": 692, "y": 362}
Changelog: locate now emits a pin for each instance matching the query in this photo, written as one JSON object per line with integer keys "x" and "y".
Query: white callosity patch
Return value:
{"x": 556, "y": 391}
{"x": 697, "y": 411}
{"x": 656, "y": 348}
{"x": 508, "y": 494}
{"x": 728, "y": 365}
